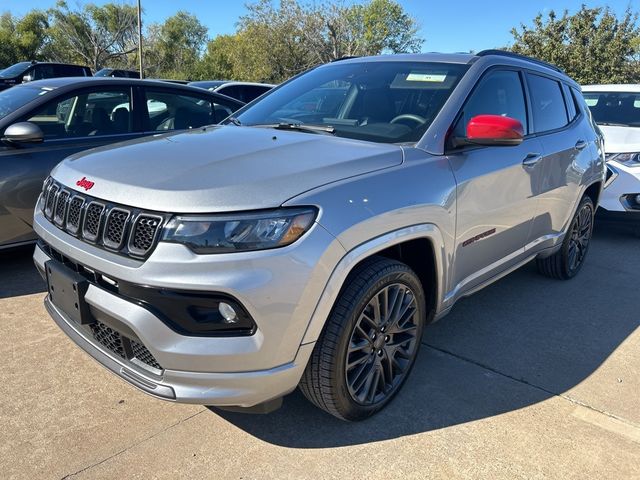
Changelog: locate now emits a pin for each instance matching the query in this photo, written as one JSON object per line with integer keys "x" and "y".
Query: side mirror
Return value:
{"x": 23, "y": 132}
{"x": 27, "y": 78}
{"x": 494, "y": 130}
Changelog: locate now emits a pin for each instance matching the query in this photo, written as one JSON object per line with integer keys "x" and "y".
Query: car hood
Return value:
{"x": 219, "y": 169}
{"x": 621, "y": 139}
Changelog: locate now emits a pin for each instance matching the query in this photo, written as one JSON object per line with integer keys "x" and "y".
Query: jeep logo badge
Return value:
{"x": 84, "y": 183}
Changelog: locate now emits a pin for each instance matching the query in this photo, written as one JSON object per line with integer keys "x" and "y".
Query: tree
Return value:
{"x": 275, "y": 41}
{"x": 24, "y": 38}
{"x": 94, "y": 35}
{"x": 174, "y": 47}
{"x": 592, "y": 46}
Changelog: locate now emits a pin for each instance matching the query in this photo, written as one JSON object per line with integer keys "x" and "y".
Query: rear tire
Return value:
{"x": 567, "y": 262}
{"x": 369, "y": 343}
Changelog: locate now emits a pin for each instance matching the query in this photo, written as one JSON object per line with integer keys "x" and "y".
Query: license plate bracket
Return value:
{"x": 66, "y": 291}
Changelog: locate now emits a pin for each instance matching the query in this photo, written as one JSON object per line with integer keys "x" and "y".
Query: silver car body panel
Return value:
{"x": 251, "y": 168}
{"x": 482, "y": 212}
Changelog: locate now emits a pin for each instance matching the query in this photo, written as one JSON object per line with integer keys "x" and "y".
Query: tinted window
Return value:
{"x": 549, "y": 111}
{"x": 43, "y": 71}
{"x": 614, "y": 108}
{"x": 385, "y": 101}
{"x": 233, "y": 91}
{"x": 498, "y": 93}
{"x": 16, "y": 97}
{"x": 103, "y": 112}
{"x": 15, "y": 70}
{"x": 169, "y": 111}
{"x": 254, "y": 91}
{"x": 69, "y": 71}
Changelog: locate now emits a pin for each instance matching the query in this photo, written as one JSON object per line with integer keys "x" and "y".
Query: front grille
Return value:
{"x": 92, "y": 220}
{"x": 61, "y": 208}
{"x": 144, "y": 233}
{"x": 74, "y": 214}
{"x": 115, "y": 228}
{"x": 127, "y": 231}
{"x": 123, "y": 346}
{"x": 51, "y": 198}
{"x": 144, "y": 355}
{"x": 108, "y": 338}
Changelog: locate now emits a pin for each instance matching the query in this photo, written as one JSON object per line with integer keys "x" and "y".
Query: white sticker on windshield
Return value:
{"x": 426, "y": 77}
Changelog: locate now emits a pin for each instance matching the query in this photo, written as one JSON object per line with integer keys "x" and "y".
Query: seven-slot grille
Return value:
{"x": 127, "y": 231}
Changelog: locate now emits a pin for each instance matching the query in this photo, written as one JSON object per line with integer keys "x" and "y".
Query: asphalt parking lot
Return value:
{"x": 530, "y": 378}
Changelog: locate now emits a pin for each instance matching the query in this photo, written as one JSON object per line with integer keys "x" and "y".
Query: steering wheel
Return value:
{"x": 410, "y": 116}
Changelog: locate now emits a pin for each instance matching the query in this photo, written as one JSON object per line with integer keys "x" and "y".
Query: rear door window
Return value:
{"x": 177, "y": 111}
{"x": 547, "y": 103}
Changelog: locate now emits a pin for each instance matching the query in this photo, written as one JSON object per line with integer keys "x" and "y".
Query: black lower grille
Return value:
{"x": 108, "y": 338}
{"x": 144, "y": 355}
{"x": 123, "y": 346}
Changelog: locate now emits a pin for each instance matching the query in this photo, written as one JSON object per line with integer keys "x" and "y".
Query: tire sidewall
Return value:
{"x": 403, "y": 275}
{"x": 565, "y": 245}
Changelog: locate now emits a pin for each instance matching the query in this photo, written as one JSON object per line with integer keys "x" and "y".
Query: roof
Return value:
{"x": 77, "y": 81}
{"x": 461, "y": 58}
{"x": 618, "y": 87}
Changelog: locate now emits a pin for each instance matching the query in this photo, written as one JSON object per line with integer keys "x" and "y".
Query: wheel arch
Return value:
{"x": 404, "y": 245}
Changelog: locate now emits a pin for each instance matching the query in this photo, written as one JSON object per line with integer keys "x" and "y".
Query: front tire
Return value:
{"x": 370, "y": 341}
{"x": 567, "y": 262}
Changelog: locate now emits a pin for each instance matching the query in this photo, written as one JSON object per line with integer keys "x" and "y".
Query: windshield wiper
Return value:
{"x": 301, "y": 127}
{"x": 235, "y": 121}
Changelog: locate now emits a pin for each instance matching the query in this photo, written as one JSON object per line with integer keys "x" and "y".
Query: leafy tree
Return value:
{"x": 174, "y": 47}
{"x": 22, "y": 38}
{"x": 592, "y": 46}
{"x": 275, "y": 41}
{"x": 94, "y": 35}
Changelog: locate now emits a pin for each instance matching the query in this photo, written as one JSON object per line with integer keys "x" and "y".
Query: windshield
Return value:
{"x": 614, "y": 108}
{"x": 16, "y": 97}
{"x": 105, "y": 72}
{"x": 386, "y": 102}
{"x": 15, "y": 70}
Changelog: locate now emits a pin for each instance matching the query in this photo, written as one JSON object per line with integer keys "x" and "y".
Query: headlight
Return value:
{"x": 240, "y": 232}
{"x": 628, "y": 159}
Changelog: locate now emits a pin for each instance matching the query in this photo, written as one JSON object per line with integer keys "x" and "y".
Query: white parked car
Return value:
{"x": 616, "y": 109}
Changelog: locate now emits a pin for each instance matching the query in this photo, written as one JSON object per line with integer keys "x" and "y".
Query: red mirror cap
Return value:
{"x": 494, "y": 127}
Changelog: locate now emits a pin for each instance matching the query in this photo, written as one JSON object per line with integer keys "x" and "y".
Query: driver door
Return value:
{"x": 496, "y": 189}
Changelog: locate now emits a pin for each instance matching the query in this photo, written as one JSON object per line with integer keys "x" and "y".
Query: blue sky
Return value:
{"x": 447, "y": 26}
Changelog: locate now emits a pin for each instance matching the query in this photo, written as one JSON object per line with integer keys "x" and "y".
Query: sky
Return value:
{"x": 446, "y": 26}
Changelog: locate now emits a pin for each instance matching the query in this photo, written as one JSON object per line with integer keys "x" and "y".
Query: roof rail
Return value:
{"x": 504, "y": 53}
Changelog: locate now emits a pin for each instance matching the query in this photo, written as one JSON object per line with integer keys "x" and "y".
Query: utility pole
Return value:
{"x": 140, "y": 38}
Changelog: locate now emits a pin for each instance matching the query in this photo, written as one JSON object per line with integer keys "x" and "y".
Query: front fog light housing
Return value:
{"x": 227, "y": 312}
{"x": 240, "y": 232}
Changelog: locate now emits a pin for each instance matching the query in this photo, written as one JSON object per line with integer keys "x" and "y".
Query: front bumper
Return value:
{"x": 243, "y": 389}
{"x": 280, "y": 289}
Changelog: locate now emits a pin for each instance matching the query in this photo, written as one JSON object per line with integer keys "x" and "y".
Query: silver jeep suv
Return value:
{"x": 308, "y": 240}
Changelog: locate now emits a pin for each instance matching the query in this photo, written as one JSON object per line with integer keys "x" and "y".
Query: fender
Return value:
{"x": 364, "y": 250}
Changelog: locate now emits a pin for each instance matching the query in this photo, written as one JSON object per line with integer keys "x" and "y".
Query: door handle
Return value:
{"x": 580, "y": 144}
{"x": 531, "y": 159}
